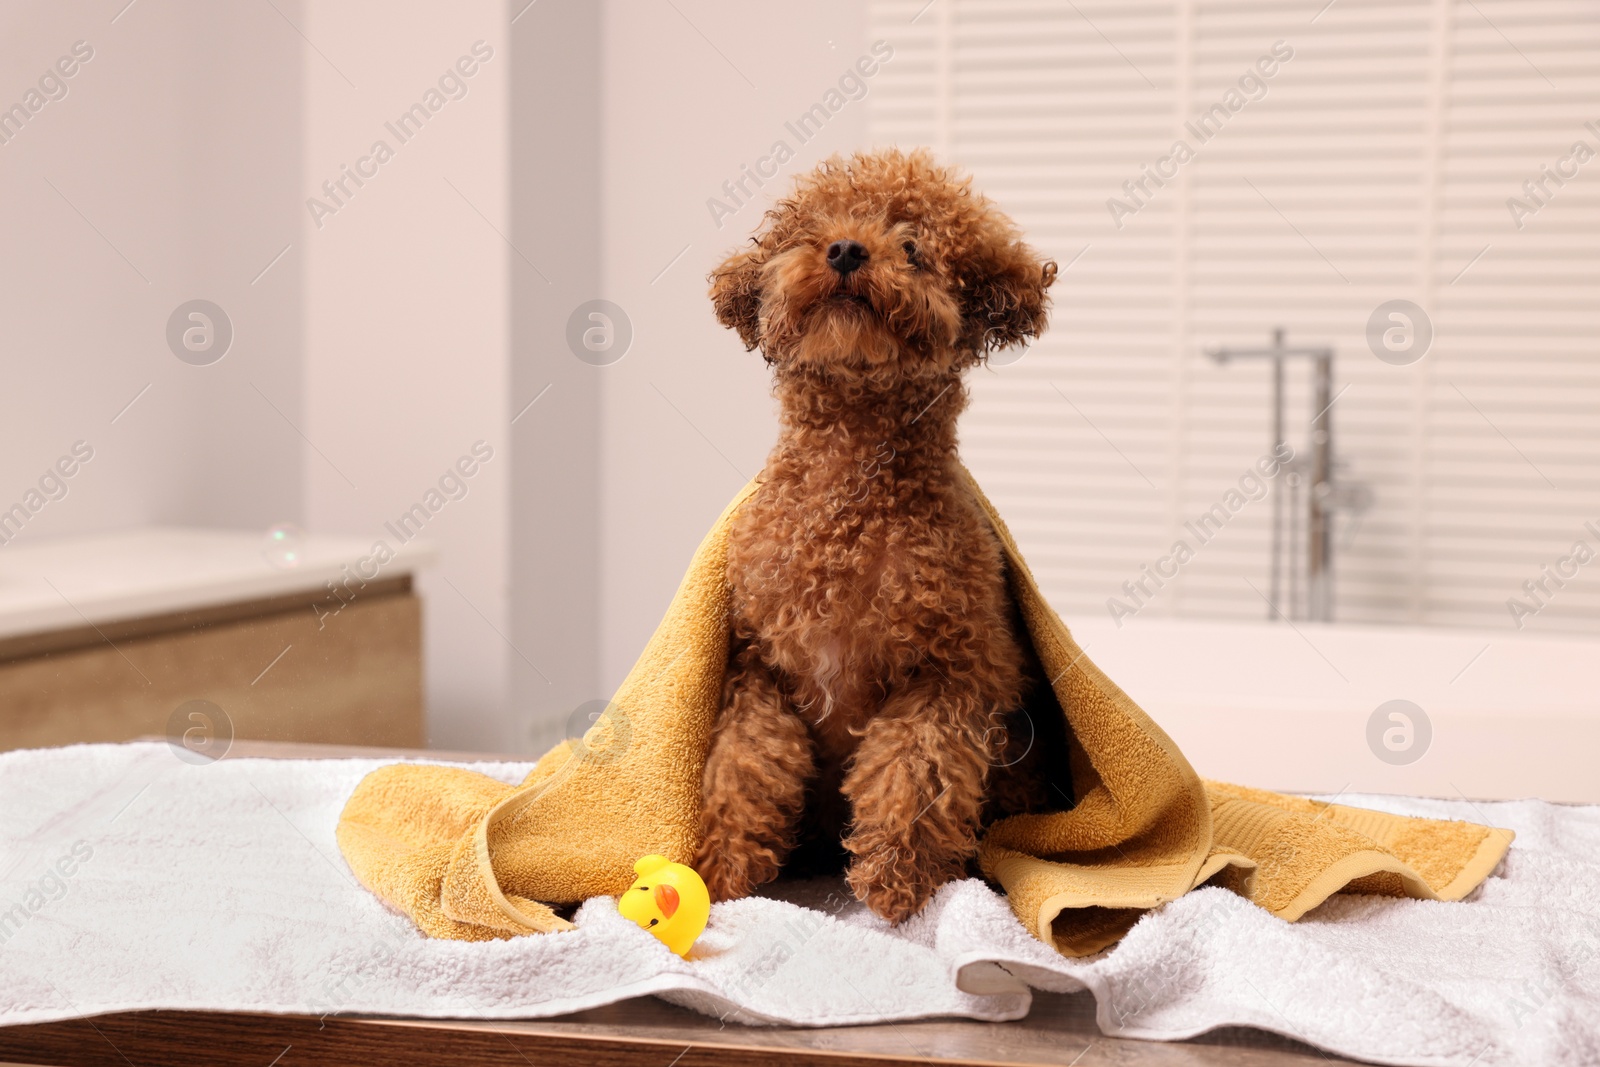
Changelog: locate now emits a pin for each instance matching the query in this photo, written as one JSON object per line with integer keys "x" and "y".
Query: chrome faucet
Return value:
{"x": 1309, "y": 565}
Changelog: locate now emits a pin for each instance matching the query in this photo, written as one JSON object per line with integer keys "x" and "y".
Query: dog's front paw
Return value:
{"x": 723, "y": 882}
{"x": 891, "y": 884}
{"x": 731, "y": 872}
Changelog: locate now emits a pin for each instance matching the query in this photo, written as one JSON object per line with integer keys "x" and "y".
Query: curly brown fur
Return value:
{"x": 877, "y": 657}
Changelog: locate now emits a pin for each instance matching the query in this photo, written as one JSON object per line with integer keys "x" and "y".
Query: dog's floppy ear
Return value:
{"x": 1008, "y": 302}
{"x": 736, "y": 293}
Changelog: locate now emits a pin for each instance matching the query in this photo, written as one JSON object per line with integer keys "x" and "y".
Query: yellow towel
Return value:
{"x": 471, "y": 858}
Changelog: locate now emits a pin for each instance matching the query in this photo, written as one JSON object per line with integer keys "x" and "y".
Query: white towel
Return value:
{"x": 131, "y": 879}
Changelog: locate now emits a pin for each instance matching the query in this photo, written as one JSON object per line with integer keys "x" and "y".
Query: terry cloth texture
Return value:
{"x": 468, "y": 857}
{"x": 130, "y": 879}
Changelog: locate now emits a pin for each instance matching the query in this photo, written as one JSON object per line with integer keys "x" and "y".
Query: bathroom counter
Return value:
{"x": 116, "y": 635}
{"x": 68, "y": 582}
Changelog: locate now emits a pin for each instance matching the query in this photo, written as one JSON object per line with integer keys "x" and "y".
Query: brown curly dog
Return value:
{"x": 876, "y": 660}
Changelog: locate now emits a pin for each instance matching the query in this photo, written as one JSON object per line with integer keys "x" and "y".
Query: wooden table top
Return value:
{"x": 1060, "y": 1029}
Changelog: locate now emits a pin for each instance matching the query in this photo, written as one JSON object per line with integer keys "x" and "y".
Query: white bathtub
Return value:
{"x": 1512, "y": 715}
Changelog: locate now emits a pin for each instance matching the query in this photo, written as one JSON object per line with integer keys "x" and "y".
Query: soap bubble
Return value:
{"x": 284, "y": 545}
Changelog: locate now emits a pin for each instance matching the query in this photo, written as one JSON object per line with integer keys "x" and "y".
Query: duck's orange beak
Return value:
{"x": 666, "y": 900}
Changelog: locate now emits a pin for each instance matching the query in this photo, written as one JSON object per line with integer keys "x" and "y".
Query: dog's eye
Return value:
{"x": 911, "y": 251}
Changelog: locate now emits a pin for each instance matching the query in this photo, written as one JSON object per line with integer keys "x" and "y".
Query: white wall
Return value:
{"x": 688, "y": 416}
{"x": 407, "y": 324}
{"x": 406, "y": 327}
{"x": 166, "y": 173}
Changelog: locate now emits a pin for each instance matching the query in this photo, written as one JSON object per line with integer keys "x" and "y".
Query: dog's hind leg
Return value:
{"x": 916, "y": 788}
{"x": 753, "y": 790}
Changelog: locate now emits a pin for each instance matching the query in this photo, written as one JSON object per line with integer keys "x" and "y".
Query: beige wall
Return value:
{"x": 416, "y": 319}
{"x": 407, "y": 322}
{"x": 623, "y": 119}
{"x": 688, "y": 416}
{"x": 167, "y": 172}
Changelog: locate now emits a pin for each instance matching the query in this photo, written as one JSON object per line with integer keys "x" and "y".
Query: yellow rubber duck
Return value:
{"x": 669, "y": 900}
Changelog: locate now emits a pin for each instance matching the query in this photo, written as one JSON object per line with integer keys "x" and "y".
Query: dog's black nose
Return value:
{"x": 846, "y": 256}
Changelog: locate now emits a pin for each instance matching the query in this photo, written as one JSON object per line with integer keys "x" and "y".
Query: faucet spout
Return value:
{"x": 1308, "y": 564}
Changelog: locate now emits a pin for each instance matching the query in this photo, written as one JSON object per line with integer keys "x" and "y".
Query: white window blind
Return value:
{"x": 1375, "y": 164}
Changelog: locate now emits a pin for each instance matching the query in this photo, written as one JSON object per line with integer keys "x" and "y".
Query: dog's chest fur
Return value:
{"x": 861, "y": 551}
